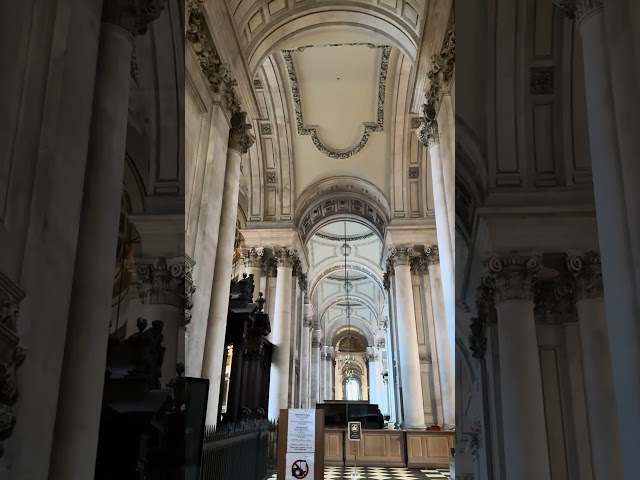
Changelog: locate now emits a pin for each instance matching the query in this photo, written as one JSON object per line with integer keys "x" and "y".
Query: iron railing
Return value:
{"x": 240, "y": 451}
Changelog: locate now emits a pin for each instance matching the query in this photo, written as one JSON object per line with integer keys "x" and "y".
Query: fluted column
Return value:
{"x": 596, "y": 363}
{"x": 621, "y": 284}
{"x": 444, "y": 343}
{"x": 252, "y": 262}
{"x": 511, "y": 280}
{"x": 240, "y": 140}
{"x": 161, "y": 290}
{"x": 314, "y": 373}
{"x": 413, "y": 413}
{"x": 76, "y": 433}
{"x": 281, "y": 331}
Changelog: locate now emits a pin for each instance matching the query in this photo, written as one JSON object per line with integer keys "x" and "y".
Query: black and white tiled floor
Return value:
{"x": 380, "y": 473}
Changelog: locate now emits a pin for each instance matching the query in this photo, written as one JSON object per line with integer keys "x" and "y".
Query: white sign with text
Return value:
{"x": 301, "y": 435}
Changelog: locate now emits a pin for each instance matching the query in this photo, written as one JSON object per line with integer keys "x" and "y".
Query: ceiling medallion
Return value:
{"x": 368, "y": 127}
{"x": 345, "y": 250}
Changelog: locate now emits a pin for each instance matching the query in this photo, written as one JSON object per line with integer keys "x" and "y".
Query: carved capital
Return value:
{"x": 269, "y": 266}
{"x": 132, "y": 15}
{"x": 512, "y": 276}
{"x": 428, "y": 133}
{"x": 587, "y": 273}
{"x": 252, "y": 257}
{"x": 432, "y": 255}
{"x": 286, "y": 257}
{"x": 578, "y": 9}
{"x": 162, "y": 281}
{"x": 240, "y": 138}
{"x": 400, "y": 255}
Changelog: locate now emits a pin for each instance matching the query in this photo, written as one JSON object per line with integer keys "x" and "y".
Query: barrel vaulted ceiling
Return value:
{"x": 361, "y": 297}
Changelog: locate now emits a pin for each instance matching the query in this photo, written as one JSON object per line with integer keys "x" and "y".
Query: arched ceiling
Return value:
{"x": 342, "y": 296}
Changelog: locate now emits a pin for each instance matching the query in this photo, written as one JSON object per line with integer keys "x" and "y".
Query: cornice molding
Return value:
{"x": 369, "y": 128}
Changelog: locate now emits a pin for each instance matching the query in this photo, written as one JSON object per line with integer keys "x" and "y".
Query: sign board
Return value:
{"x": 300, "y": 466}
{"x": 301, "y": 433}
{"x": 355, "y": 431}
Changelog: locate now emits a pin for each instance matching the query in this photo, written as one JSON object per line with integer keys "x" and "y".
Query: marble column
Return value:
{"x": 331, "y": 367}
{"x": 511, "y": 280}
{"x": 281, "y": 332}
{"x": 596, "y": 363}
{"x": 413, "y": 413}
{"x": 252, "y": 262}
{"x": 621, "y": 285}
{"x": 240, "y": 140}
{"x": 430, "y": 137}
{"x": 444, "y": 344}
{"x": 314, "y": 373}
{"x": 73, "y": 454}
{"x": 161, "y": 291}
{"x": 305, "y": 358}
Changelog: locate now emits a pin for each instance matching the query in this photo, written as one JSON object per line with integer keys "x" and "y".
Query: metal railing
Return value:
{"x": 240, "y": 451}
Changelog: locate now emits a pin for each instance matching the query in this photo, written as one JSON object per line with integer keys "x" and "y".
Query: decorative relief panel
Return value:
{"x": 368, "y": 127}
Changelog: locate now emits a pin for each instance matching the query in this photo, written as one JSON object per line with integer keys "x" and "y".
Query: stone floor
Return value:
{"x": 379, "y": 473}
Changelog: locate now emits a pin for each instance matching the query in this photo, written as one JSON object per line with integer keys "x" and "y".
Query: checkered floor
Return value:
{"x": 379, "y": 473}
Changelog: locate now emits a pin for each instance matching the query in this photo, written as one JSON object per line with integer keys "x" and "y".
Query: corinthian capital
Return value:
{"x": 512, "y": 276}
{"x": 578, "y": 9}
{"x": 161, "y": 281}
{"x": 400, "y": 255}
{"x": 428, "y": 133}
{"x": 286, "y": 257}
{"x": 240, "y": 138}
{"x": 252, "y": 257}
{"x": 587, "y": 273}
{"x": 132, "y": 15}
{"x": 432, "y": 254}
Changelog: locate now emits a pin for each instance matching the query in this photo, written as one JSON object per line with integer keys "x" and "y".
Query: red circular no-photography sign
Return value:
{"x": 300, "y": 469}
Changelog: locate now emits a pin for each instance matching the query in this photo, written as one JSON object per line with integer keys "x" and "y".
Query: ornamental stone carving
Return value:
{"x": 419, "y": 265}
{"x": 307, "y": 321}
{"x": 586, "y": 271}
{"x": 189, "y": 288}
{"x": 134, "y": 16}
{"x": 269, "y": 266}
{"x": 475, "y": 439}
{"x": 578, "y": 9}
{"x": 302, "y": 281}
{"x": 286, "y": 257}
{"x": 400, "y": 256}
{"x": 432, "y": 255}
{"x": 217, "y": 73}
{"x": 240, "y": 138}
{"x": 512, "y": 277}
{"x": 477, "y": 339}
{"x": 162, "y": 282}
{"x": 252, "y": 257}
{"x": 428, "y": 133}
{"x": 12, "y": 355}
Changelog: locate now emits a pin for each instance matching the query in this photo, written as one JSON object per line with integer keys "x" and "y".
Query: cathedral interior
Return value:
{"x": 215, "y": 211}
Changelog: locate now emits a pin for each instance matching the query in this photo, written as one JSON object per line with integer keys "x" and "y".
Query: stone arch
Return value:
{"x": 339, "y": 267}
{"x": 356, "y": 323}
{"x": 337, "y": 198}
{"x": 381, "y": 22}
